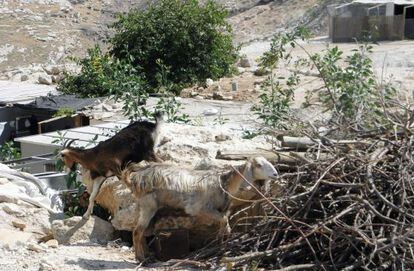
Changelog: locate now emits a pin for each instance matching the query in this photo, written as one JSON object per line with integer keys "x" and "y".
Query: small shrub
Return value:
{"x": 193, "y": 41}
{"x": 171, "y": 107}
{"x": 64, "y": 112}
{"x": 278, "y": 93}
{"x": 9, "y": 151}
{"x": 100, "y": 75}
{"x": 351, "y": 91}
{"x": 72, "y": 201}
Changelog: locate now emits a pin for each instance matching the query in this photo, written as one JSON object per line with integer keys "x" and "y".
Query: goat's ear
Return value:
{"x": 64, "y": 152}
{"x": 256, "y": 163}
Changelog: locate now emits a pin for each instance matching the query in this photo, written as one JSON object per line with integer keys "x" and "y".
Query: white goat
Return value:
{"x": 200, "y": 193}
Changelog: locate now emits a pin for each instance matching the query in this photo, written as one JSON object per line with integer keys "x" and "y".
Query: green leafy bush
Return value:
{"x": 100, "y": 75}
{"x": 350, "y": 90}
{"x": 9, "y": 151}
{"x": 192, "y": 41}
{"x": 64, "y": 112}
{"x": 278, "y": 93}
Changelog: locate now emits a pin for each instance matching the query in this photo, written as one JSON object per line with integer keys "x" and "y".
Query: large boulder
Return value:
{"x": 74, "y": 229}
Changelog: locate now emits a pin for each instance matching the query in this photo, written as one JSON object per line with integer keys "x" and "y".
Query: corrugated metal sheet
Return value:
{"x": 15, "y": 92}
{"x": 84, "y": 135}
{"x": 397, "y": 2}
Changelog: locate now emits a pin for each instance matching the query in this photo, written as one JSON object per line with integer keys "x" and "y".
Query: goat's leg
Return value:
{"x": 209, "y": 216}
{"x": 148, "y": 208}
{"x": 97, "y": 182}
{"x": 154, "y": 158}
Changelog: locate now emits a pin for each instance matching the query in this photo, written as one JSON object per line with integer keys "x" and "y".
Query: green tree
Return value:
{"x": 101, "y": 75}
{"x": 192, "y": 41}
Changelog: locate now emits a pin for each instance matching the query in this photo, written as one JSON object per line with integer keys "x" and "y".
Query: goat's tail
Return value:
{"x": 125, "y": 175}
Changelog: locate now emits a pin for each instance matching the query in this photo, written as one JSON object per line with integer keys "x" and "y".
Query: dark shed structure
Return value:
{"x": 382, "y": 19}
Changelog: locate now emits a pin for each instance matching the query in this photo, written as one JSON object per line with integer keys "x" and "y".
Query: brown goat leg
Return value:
{"x": 147, "y": 211}
{"x": 95, "y": 189}
{"x": 140, "y": 245}
{"x": 208, "y": 217}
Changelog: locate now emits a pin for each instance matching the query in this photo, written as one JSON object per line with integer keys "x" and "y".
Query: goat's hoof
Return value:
{"x": 140, "y": 259}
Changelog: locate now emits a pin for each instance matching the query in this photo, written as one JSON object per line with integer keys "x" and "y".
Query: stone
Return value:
{"x": 205, "y": 164}
{"x": 222, "y": 137}
{"x": 210, "y": 112}
{"x": 19, "y": 224}
{"x": 261, "y": 72}
{"x": 52, "y": 70}
{"x": 244, "y": 62}
{"x": 53, "y": 243}
{"x": 12, "y": 209}
{"x": 24, "y": 77}
{"x": 234, "y": 86}
{"x": 45, "y": 265}
{"x": 4, "y": 181}
{"x": 222, "y": 97}
{"x": 35, "y": 247}
{"x": 209, "y": 82}
{"x": 74, "y": 229}
{"x": 45, "y": 79}
{"x": 57, "y": 78}
{"x": 14, "y": 238}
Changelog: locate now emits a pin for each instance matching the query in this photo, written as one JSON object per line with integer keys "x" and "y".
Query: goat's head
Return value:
{"x": 262, "y": 169}
{"x": 66, "y": 157}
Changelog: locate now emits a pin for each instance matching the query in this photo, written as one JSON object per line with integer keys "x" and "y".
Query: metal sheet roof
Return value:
{"x": 84, "y": 135}
{"x": 397, "y": 2}
{"x": 16, "y": 92}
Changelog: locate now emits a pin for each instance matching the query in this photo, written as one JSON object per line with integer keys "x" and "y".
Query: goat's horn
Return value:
{"x": 65, "y": 143}
{"x": 70, "y": 142}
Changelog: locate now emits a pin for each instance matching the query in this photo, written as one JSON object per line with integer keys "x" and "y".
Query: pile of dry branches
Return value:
{"x": 348, "y": 205}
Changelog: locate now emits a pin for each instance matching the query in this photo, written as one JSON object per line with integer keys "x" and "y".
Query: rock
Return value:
{"x": 244, "y": 62}
{"x": 45, "y": 265}
{"x": 261, "y": 72}
{"x": 210, "y": 112}
{"x": 164, "y": 141}
{"x": 209, "y": 82}
{"x": 57, "y": 78}
{"x": 45, "y": 79}
{"x": 53, "y": 243}
{"x": 14, "y": 238}
{"x": 193, "y": 94}
{"x": 234, "y": 86}
{"x": 205, "y": 164}
{"x": 222, "y": 137}
{"x": 24, "y": 77}
{"x": 241, "y": 70}
{"x": 4, "y": 181}
{"x": 222, "y": 97}
{"x": 19, "y": 224}
{"x": 12, "y": 209}
{"x": 52, "y": 70}
{"x": 35, "y": 247}
{"x": 75, "y": 229}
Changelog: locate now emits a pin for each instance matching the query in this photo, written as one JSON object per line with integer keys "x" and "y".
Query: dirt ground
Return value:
{"x": 80, "y": 256}
{"x": 392, "y": 61}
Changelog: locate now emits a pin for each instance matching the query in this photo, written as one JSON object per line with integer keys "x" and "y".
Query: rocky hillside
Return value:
{"x": 35, "y": 33}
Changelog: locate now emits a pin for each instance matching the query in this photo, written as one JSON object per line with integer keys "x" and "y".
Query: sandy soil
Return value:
{"x": 80, "y": 256}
